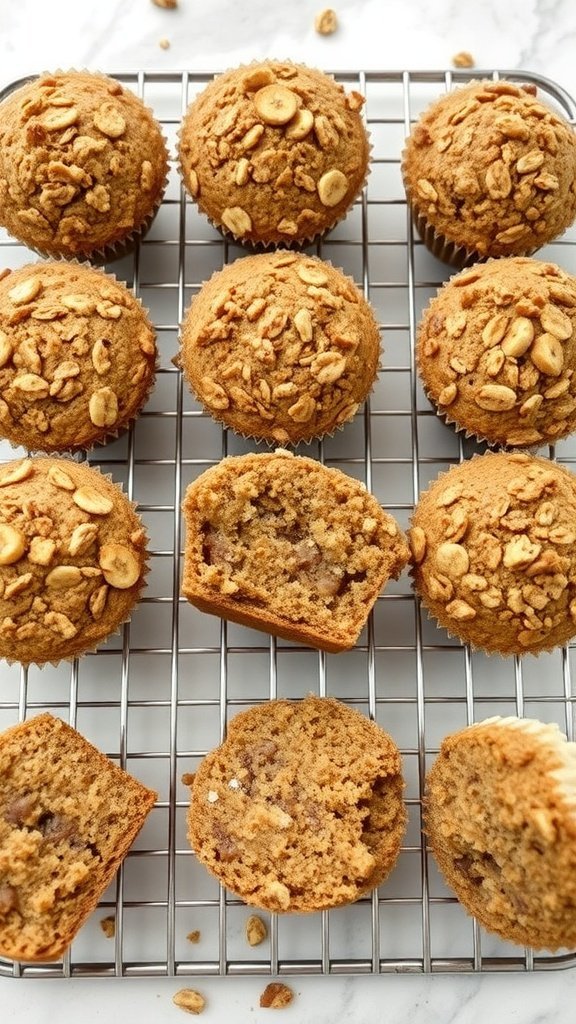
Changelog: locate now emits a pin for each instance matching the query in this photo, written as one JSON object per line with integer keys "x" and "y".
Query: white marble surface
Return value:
{"x": 108, "y": 35}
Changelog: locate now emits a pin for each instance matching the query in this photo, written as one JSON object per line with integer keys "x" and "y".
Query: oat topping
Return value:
{"x": 507, "y": 374}
{"x": 493, "y": 169}
{"x": 67, "y": 558}
{"x": 515, "y": 552}
{"x": 274, "y": 152}
{"x": 281, "y": 347}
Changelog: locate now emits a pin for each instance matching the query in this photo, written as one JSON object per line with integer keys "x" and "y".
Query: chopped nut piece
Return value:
{"x": 63, "y": 577}
{"x": 236, "y": 220}
{"x": 190, "y": 1000}
{"x": 495, "y": 397}
{"x": 326, "y": 22}
{"x": 108, "y": 119}
{"x": 276, "y": 996}
{"x": 256, "y": 930}
{"x": 41, "y": 551}
{"x": 103, "y": 407}
{"x": 108, "y": 926}
{"x": 547, "y": 355}
{"x": 417, "y": 539}
{"x": 82, "y": 538}
{"x": 25, "y": 291}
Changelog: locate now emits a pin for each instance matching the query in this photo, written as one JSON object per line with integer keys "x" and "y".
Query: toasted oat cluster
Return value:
{"x": 72, "y": 559}
{"x": 280, "y": 346}
{"x": 77, "y": 356}
{"x": 82, "y": 163}
{"x": 492, "y": 169}
{"x": 497, "y": 351}
{"x": 274, "y": 151}
{"x": 281, "y": 543}
{"x": 494, "y": 550}
{"x": 300, "y": 809}
{"x": 500, "y": 821}
{"x": 68, "y": 816}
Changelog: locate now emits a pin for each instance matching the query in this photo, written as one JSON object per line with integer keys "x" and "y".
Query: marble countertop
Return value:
{"x": 113, "y": 35}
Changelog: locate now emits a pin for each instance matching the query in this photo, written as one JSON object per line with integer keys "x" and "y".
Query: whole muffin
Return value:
{"x": 496, "y": 351}
{"x": 494, "y": 551}
{"x": 274, "y": 152}
{"x": 280, "y": 346}
{"x": 499, "y": 814}
{"x": 77, "y": 356}
{"x": 82, "y": 164}
{"x": 489, "y": 170}
{"x": 282, "y": 543}
{"x": 72, "y": 559}
{"x": 300, "y": 809}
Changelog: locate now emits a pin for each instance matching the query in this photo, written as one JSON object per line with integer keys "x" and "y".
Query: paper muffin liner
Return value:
{"x": 108, "y": 434}
{"x": 443, "y": 412}
{"x": 114, "y": 630}
{"x": 302, "y": 241}
{"x": 274, "y": 442}
{"x": 413, "y": 566}
{"x": 126, "y": 244}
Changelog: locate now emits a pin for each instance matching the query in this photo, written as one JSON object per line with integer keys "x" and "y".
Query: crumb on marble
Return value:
{"x": 463, "y": 59}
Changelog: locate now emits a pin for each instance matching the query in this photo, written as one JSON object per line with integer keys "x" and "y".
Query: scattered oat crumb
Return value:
{"x": 276, "y": 996}
{"x": 188, "y": 778}
{"x": 189, "y": 1000}
{"x": 193, "y": 936}
{"x": 326, "y": 22}
{"x": 108, "y": 926}
{"x": 463, "y": 60}
{"x": 256, "y": 930}
{"x": 164, "y": 44}
{"x": 167, "y": 4}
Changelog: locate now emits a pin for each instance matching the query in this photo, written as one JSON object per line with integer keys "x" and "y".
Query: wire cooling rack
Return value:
{"x": 158, "y": 696}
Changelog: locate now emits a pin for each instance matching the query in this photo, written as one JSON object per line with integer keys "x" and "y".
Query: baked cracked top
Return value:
{"x": 72, "y": 559}
{"x": 300, "y": 809}
{"x": 493, "y": 169}
{"x": 494, "y": 550}
{"x": 274, "y": 151}
{"x": 501, "y": 822}
{"x": 77, "y": 356}
{"x": 497, "y": 351}
{"x": 82, "y": 163}
{"x": 281, "y": 346}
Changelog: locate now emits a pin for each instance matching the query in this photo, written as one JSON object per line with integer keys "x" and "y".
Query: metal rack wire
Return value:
{"x": 156, "y": 697}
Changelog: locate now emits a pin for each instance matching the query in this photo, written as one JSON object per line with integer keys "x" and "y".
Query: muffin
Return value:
{"x": 496, "y": 351}
{"x": 300, "y": 809}
{"x": 83, "y": 164}
{"x": 72, "y": 559}
{"x": 490, "y": 170}
{"x": 494, "y": 551}
{"x": 68, "y": 816}
{"x": 283, "y": 544}
{"x": 500, "y": 801}
{"x": 274, "y": 152}
{"x": 77, "y": 356}
{"x": 280, "y": 346}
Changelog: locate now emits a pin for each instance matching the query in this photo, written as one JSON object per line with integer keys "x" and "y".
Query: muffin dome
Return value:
{"x": 489, "y": 170}
{"x": 274, "y": 152}
{"x": 494, "y": 546}
{"x": 280, "y": 346}
{"x": 82, "y": 163}
{"x": 497, "y": 351}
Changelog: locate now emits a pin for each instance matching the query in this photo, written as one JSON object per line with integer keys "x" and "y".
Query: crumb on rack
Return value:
{"x": 193, "y": 936}
{"x": 187, "y": 778}
{"x": 326, "y": 22}
{"x": 276, "y": 996}
{"x": 164, "y": 44}
{"x": 108, "y": 926}
{"x": 190, "y": 1000}
{"x": 256, "y": 930}
{"x": 463, "y": 59}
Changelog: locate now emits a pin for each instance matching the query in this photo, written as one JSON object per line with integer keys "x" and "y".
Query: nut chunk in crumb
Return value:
{"x": 326, "y": 22}
{"x": 190, "y": 1000}
{"x": 256, "y": 930}
{"x": 276, "y": 996}
{"x": 463, "y": 59}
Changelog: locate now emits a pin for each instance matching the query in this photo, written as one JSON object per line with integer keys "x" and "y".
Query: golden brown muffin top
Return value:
{"x": 274, "y": 151}
{"x": 500, "y": 803}
{"x": 493, "y": 169}
{"x": 494, "y": 546}
{"x": 77, "y": 356}
{"x": 72, "y": 559}
{"x": 82, "y": 163}
{"x": 300, "y": 808}
{"x": 497, "y": 351}
{"x": 280, "y": 346}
